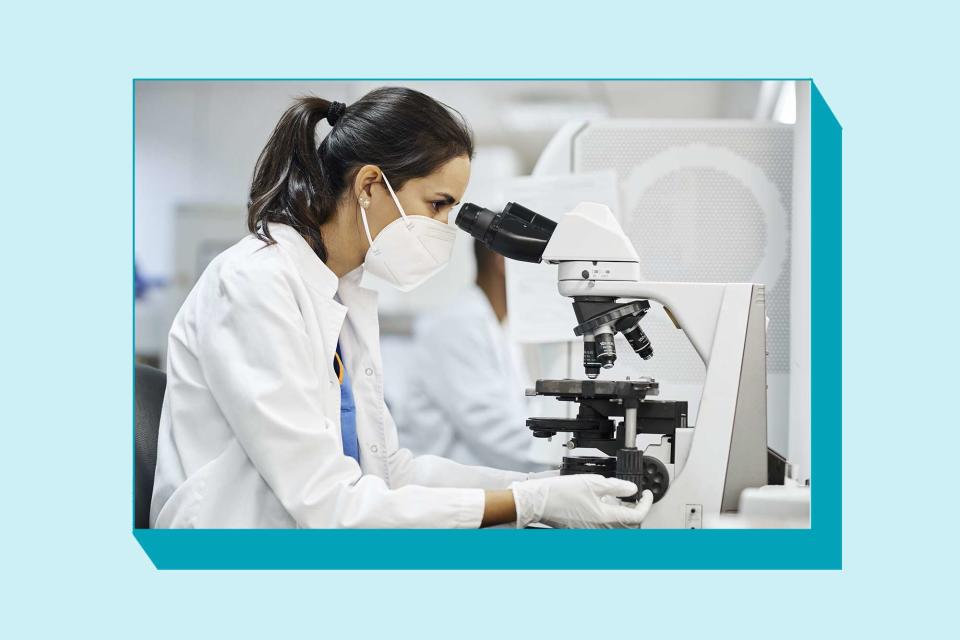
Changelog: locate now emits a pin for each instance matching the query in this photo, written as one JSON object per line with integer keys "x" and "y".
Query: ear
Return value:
{"x": 366, "y": 176}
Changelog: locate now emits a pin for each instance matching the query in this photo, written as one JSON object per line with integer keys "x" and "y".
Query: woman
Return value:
{"x": 274, "y": 413}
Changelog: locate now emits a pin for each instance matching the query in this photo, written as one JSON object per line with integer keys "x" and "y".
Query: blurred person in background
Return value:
{"x": 465, "y": 397}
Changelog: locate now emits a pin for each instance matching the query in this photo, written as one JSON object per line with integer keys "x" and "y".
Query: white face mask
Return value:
{"x": 409, "y": 250}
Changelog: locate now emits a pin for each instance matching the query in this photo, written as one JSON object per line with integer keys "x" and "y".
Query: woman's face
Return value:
{"x": 433, "y": 196}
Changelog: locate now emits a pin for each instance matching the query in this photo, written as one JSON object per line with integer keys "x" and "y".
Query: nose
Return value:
{"x": 452, "y": 213}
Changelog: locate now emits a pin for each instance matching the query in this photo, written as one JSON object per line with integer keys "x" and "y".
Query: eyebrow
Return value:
{"x": 450, "y": 198}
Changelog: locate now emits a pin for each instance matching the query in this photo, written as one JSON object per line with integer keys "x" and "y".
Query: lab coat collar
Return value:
{"x": 361, "y": 303}
{"x": 475, "y": 296}
{"x": 351, "y": 280}
{"x": 316, "y": 274}
{"x": 321, "y": 281}
{"x": 338, "y": 297}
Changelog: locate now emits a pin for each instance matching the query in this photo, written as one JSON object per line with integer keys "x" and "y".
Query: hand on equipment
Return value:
{"x": 577, "y": 502}
{"x": 549, "y": 473}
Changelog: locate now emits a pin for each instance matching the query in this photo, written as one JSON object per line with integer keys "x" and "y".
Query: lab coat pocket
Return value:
{"x": 182, "y": 508}
{"x": 206, "y": 495}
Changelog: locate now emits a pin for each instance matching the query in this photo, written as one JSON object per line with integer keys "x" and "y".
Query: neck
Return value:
{"x": 344, "y": 240}
{"x": 496, "y": 291}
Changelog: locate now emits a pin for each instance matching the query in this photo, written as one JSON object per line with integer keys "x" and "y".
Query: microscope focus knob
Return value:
{"x": 647, "y": 472}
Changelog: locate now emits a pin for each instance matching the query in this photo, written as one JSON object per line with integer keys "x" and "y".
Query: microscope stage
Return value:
{"x": 597, "y": 389}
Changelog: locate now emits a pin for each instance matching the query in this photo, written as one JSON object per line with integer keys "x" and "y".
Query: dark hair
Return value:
{"x": 484, "y": 256}
{"x": 406, "y": 133}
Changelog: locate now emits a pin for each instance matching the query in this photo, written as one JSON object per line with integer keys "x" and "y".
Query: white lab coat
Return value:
{"x": 250, "y": 428}
{"x": 465, "y": 398}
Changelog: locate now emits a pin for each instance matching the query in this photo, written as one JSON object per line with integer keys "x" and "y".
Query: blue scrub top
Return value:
{"x": 348, "y": 412}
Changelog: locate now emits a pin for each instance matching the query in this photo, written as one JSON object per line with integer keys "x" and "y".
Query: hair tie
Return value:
{"x": 335, "y": 111}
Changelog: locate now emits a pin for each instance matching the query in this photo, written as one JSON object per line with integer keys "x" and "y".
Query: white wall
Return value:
{"x": 196, "y": 142}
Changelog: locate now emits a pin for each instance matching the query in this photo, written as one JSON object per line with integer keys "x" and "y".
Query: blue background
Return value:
{"x": 67, "y": 559}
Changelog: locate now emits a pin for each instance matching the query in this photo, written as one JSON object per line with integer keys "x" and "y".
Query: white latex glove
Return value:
{"x": 577, "y": 502}
{"x": 549, "y": 473}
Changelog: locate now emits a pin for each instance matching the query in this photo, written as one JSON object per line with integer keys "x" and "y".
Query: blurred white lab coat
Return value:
{"x": 250, "y": 427}
{"x": 465, "y": 396}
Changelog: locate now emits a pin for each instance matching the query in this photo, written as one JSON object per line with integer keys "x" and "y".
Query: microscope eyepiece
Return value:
{"x": 473, "y": 216}
{"x": 516, "y": 232}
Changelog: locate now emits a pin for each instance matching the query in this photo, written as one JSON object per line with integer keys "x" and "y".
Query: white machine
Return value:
{"x": 713, "y": 200}
{"x": 693, "y": 472}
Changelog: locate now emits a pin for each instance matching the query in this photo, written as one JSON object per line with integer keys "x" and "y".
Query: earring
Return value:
{"x": 364, "y": 201}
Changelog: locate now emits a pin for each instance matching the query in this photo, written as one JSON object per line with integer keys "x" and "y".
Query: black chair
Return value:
{"x": 149, "y": 387}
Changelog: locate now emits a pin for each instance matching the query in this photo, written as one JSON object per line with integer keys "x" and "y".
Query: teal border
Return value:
{"x": 819, "y": 547}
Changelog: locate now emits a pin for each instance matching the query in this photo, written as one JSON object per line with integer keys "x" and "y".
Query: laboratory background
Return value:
{"x": 710, "y": 180}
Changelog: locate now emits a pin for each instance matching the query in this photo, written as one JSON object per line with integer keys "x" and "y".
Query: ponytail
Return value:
{"x": 289, "y": 182}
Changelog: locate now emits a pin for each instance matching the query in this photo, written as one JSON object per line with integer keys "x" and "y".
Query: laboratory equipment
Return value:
{"x": 694, "y": 472}
{"x": 702, "y": 200}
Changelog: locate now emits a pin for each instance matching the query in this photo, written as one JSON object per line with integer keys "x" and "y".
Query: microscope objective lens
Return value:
{"x": 606, "y": 350}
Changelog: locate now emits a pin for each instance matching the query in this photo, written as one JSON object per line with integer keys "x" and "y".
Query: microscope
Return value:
{"x": 698, "y": 469}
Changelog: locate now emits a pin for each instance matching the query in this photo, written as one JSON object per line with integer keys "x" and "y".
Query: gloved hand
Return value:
{"x": 583, "y": 501}
{"x": 549, "y": 473}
